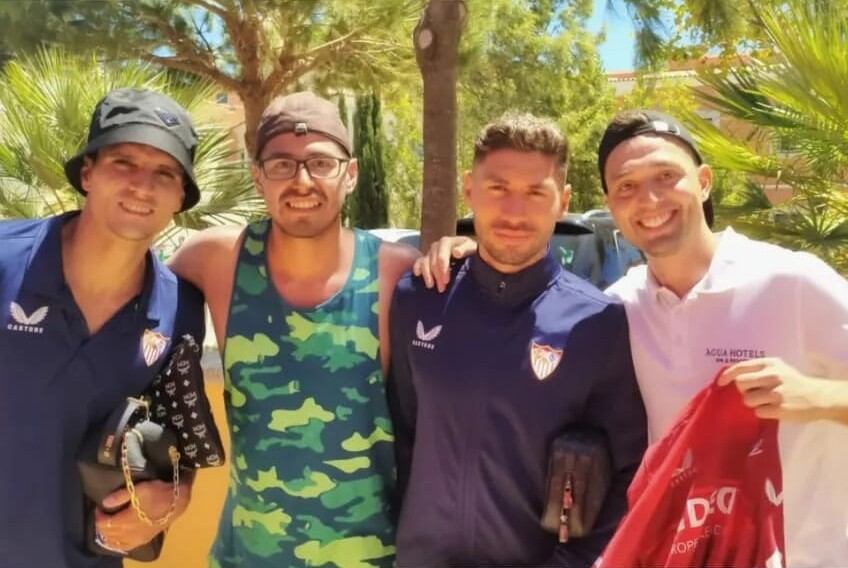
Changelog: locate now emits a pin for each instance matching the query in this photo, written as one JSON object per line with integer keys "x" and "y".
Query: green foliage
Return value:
{"x": 687, "y": 29}
{"x": 404, "y": 151}
{"x": 536, "y": 57}
{"x": 28, "y": 26}
{"x": 255, "y": 48}
{"x": 796, "y": 107}
{"x": 659, "y": 92}
{"x": 368, "y": 206}
{"x": 195, "y": 33}
{"x": 46, "y": 102}
{"x": 530, "y": 56}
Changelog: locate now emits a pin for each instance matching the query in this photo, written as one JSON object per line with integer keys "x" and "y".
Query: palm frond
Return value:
{"x": 796, "y": 108}
{"x": 45, "y": 105}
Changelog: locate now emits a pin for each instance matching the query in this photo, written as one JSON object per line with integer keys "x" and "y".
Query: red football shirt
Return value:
{"x": 708, "y": 494}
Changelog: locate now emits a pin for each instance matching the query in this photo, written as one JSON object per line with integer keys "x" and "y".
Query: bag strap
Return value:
{"x": 567, "y": 504}
{"x": 134, "y": 500}
{"x": 114, "y": 431}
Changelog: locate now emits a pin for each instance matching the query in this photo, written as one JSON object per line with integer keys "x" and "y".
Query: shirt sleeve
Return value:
{"x": 615, "y": 407}
{"x": 823, "y": 307}
{"x": 400, "y": 392}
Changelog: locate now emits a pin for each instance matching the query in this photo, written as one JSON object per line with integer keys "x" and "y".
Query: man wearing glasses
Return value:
{"x": 300, "y": 308}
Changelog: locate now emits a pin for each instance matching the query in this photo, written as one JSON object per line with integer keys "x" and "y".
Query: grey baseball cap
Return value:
{"x": 141, "y": 116}
{"x": 302, "y": 113}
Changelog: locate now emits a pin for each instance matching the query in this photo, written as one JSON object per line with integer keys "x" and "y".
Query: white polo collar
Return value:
{"x": 719, "y": 277}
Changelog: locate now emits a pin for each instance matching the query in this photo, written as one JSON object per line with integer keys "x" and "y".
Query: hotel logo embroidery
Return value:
{"x": 152, "y": 346}
{"x": 544, "y": 359}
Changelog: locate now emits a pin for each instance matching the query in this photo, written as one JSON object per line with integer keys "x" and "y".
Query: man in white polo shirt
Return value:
{"x": 777, "y": 319}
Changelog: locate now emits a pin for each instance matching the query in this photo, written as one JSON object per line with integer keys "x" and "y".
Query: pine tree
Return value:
{"x": 368, "y": 207}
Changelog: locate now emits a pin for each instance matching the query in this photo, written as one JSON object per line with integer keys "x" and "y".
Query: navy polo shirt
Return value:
{"x": 58, "y": 383}
{"x": 483, "y": 378}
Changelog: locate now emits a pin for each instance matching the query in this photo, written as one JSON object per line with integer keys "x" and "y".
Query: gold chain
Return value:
{"x": 134, "y": 501}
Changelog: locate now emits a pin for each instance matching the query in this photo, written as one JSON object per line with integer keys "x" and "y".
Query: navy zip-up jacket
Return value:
{"x": 483, "y": 377}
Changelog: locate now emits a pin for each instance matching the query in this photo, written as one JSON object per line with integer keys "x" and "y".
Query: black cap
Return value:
{"x": 142, "y": 117}
{"x": 648, "y": 122}
{"x": 302, "y": 113}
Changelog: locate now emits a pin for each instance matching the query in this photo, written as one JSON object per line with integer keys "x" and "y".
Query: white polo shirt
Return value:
{"x": 756, "y": 300}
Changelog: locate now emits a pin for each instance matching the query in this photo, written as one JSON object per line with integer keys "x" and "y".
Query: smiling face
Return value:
{"x": 304, "y": 206}
{"x": 516, "y": 197}
{"x": 656, "y": 192}
{"x": 133, "y": 190}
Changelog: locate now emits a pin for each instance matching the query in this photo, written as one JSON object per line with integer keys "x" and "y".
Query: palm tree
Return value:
{"x": 45, "y": 104}
{"x": 796, "y": 105}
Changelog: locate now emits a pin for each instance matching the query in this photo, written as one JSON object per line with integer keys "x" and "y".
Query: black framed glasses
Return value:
{"x": 318, "y": 167}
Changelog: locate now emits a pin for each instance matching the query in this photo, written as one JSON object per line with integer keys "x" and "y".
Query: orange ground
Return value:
{"x": 188, "y": 541}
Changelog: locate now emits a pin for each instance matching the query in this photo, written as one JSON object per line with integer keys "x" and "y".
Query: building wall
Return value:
{"x": 225, "y": 109}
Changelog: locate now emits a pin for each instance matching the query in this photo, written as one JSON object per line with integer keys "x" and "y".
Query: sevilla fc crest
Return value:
{"x": 152, "y": 346}
{"x": 544, "y": 359}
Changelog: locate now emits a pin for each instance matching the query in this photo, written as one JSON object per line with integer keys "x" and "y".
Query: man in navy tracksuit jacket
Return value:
{"x": 487, "y": 374}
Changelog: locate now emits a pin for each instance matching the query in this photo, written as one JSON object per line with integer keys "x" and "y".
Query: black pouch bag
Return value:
{"x": 168, "y": 428}
{"x": 130, "y": 449}
{"x": 579, "y": 475}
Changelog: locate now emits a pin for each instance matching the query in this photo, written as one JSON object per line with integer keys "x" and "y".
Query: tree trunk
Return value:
{"x": 254, "y": 101}
{"x": 436, "y": 40}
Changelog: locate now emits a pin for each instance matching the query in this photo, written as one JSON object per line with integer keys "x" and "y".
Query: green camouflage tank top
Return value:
{"x": 312, "y": 468}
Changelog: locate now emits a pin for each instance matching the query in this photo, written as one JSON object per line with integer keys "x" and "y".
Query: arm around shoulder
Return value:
{"x": 203, "y": 255}
{"x": 395, "y": 260}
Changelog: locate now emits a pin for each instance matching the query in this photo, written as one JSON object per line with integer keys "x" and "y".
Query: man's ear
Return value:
{"x": 351, "y": 175}
{"x": 85, "y": 172}
{"x": 256, "y": 174}
{"x": 705, "y": 178}
{"x": 467, "y": 184}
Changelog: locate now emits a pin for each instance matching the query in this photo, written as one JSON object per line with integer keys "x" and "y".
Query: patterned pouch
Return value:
{"x": 178, "y": 402}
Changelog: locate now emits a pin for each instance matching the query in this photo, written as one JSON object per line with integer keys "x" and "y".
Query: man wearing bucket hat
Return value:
{"x": 88, "y": 314}
{"x": 300, "y": 308}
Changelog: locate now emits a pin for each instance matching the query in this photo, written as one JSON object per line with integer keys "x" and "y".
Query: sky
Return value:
{"x": 618, "y": 49}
